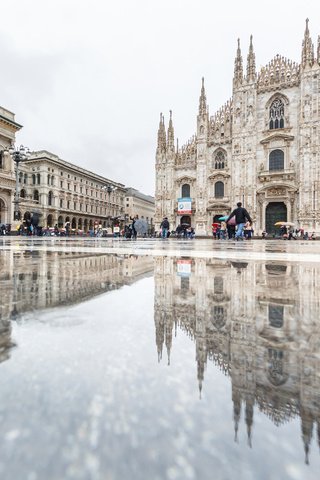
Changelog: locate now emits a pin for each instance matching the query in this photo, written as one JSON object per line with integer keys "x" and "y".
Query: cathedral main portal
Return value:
{"x": 275, "y": 212}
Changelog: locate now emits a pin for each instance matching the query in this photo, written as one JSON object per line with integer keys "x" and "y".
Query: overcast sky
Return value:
{"x": 88, "y": 79}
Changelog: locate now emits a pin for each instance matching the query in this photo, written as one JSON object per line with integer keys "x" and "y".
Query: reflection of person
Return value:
{"x": 223, "y": 229}
{"x": 164, "y": 227}
{"x": 134, "y": 231}
{"x": 242, "y": 216}
{"x": 231, "y": 229}
{"x": 248, "y": 231}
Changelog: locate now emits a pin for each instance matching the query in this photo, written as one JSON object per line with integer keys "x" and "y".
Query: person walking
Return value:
{"x": 164, "y": 227}
{"x": 242, "y": 216}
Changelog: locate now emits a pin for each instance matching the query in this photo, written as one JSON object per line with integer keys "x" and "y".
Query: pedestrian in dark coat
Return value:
{"x": 242, "y": 216}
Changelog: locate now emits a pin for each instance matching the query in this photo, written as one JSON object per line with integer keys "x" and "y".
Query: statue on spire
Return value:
{"x": 238, "y": 67}
{"x": 307, "y": 55}
{"x": 170, "y": 137}
{"x": 202, "y": 100}
{"x": 161, "y": 146}
{"x": 251, "y": 63}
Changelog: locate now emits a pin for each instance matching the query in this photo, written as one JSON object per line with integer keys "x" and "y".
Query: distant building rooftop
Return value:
{"x": 132, "y": 192}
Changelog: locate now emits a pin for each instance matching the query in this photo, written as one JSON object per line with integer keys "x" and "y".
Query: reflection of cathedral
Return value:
{"x": 31, "y": 280}
{"x": 257, "y": 323}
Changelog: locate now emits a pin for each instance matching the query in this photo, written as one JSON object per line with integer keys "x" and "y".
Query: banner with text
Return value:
{"x": 184, "y": 206}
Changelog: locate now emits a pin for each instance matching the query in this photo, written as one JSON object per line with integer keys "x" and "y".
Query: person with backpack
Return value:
{"x": 164, "y": 227}
{"x": 242, "y": 216}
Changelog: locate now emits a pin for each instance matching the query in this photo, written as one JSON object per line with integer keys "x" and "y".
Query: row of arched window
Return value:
{"x": 218, "y": 190}
{"x": 276, "y": 162}
{"x": 35, "y": 178}
{"x": 36, "y": 196}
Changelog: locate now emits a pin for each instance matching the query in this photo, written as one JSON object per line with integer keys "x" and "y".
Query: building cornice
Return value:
{"x": 11, "y": 123}
{"x": 36, "y": 157}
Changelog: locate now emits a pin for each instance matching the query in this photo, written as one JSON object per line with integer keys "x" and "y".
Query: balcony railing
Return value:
{"x": 268, "y": 175}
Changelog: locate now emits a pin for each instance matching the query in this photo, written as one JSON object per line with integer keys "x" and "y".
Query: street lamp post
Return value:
{"x": 109, "y": 189}
{"x": 18, "y": 155}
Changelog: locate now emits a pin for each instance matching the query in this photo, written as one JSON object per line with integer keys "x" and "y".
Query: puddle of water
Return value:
{"x": 127, "y": 366}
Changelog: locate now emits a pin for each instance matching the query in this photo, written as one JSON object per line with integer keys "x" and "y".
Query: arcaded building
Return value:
{"x": 53, "y": 191}
{"x": 261, "y": 148}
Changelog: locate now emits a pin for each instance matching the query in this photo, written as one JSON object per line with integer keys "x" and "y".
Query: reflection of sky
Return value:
{"x": 88, "y": 399}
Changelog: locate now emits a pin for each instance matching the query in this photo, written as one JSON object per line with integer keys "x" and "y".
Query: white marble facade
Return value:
{"x": 260, "y": 148}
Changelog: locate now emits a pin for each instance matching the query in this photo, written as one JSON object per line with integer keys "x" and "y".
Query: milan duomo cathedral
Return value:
{"x": 260, "y": 148}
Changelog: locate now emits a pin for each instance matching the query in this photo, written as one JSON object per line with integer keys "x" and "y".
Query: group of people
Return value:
{"x": 240, "y": 228}
{"x": 289, "y": 233}
{"x": 182, "y": 231}
{"x": 4, "y": 229}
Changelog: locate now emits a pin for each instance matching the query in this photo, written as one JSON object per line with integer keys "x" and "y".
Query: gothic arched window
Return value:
{"x": 50, "y": 198}
{"x": 33, "y": 179}
{"x": 218, "y": 317}
{"x": 275, "y": 314}
{"x": 185, "y": 190}
{"x": 276, "y": 160}
{"x": 23, "y": 193}
{"x": 36, "y": 195}
{"x": 276, "y": 117}
{"x": 219, "y": 161}
{"x": 219, "y": 189}
{"x": 276, "y": 367}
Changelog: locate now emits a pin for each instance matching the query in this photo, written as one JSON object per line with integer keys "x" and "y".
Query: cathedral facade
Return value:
{"x": 261, "y": 148}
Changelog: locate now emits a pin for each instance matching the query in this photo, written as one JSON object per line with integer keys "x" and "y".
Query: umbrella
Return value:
{"x": 232, "y": 221}
{"x": 285, "y": 224}
{"x": 141, "y": 226}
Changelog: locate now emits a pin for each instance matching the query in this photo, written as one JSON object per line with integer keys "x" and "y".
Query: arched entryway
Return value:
{"x": 74, "y": 223}
{"x": 216, "y": 218}
{"x": 275, "y": 212}
{"x": 27, "y": 218}
{"x": 3, "y": 211}
{"x": 80, "y": 224}
{"x": 85, "y": 225}
{"x": 60, "y": 222}
{"x": 50, "y": 220}
{"x": 185, "y": 221}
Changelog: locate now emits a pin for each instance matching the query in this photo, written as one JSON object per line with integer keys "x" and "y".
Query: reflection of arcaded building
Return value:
{"x": 31, "y": 280}
{"x": 34, "y": 280}
{"x": 258, "y": 323}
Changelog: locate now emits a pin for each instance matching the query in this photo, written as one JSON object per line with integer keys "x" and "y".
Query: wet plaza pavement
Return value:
{"x": 159, "y": 360}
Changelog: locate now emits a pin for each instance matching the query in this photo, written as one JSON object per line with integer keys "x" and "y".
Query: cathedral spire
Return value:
{"x": 161, "y": 146}
{"x": 307, "y": 55}
{"x": 238, "y": 67}
{"x": 236, "y": 414}
{"x": 203, "y": 100}
{"x": 249, "y": 419}
{"x": 170, "y": 137}
{"x": 306, "y": 428}
{"x": 251, "y": 63}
